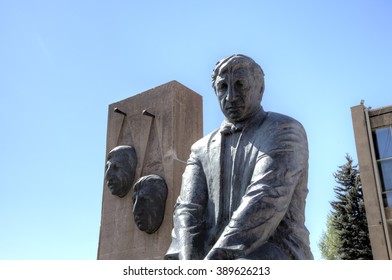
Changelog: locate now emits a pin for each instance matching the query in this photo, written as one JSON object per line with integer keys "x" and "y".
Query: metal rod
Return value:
{"x": 147, "y": 113}
{"x": 118, "y": 111}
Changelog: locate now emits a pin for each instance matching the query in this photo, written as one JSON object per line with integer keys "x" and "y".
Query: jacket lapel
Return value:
{"x": 245, "y": 159}
{"x": 215, "y": 172}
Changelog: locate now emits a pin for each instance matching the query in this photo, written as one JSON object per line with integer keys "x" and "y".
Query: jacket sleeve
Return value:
{"x": 278, "y": 171}
{"x": 188, "y": 217}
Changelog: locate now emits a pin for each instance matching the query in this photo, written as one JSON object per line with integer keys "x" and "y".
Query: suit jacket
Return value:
{"x": 269, "y": 189}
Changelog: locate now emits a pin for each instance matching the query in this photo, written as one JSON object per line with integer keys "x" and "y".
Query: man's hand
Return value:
{"x": 219, "y": 254}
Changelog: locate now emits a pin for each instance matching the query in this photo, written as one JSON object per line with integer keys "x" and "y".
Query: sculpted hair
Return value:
{"x": 154, "y": 182}
{"x": 234, "y": 59}
{"x": 128, "y": 152}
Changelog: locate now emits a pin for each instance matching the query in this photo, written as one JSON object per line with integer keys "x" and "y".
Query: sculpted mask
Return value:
{"x": 120, "y": 170}
{"x": 149, "y": 200}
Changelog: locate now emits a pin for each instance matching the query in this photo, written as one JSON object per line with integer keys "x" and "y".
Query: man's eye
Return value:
{"x": 239, "y": 84}
{"x": 113, "y": 166}
{"x": 222, "y": 87}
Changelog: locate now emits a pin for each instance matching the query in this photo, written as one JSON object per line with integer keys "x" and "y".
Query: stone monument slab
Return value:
{"x": 161, "y": 124}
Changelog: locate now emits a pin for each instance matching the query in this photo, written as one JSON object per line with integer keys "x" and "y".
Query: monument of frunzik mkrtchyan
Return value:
{"x": 243, "y": 189}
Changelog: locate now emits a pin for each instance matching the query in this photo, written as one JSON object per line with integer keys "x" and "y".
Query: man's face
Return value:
{"x": 146, "y": 210}
{"x": 238, "y": 93}
{"x": 118, "y": 176}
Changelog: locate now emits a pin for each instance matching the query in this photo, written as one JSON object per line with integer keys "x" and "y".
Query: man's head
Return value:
{"x": 238, "y": 82}
{"x": 120, "y": 170}
{"x": 149, "y": 200}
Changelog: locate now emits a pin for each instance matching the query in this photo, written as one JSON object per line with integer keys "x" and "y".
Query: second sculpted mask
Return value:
{"x": 149, "y": 200}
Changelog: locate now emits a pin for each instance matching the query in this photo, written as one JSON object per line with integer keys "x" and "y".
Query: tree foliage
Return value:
{"x": 329, "y": 242}
{"x": 347, "y": 235}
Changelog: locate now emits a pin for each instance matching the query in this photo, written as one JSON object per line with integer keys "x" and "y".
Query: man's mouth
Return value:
{"x": 233, "y": 107}
{"x": 111, "y": 184}
{"x": 139, "y": 222}
{"x": 233, "y": 110}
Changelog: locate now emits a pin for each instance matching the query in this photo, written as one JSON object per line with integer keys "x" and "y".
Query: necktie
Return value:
{"x": 230, "y": 128}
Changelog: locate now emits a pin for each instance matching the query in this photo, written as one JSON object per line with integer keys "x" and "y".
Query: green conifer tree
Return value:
{"x": 329, "y": 241}
{"x": 349, "y": 216}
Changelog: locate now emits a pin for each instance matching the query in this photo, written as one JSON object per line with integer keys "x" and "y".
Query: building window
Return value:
{"x": 383, "y": 146}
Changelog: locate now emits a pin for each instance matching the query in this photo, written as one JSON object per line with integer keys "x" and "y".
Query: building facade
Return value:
{"x": 373, "y": 139}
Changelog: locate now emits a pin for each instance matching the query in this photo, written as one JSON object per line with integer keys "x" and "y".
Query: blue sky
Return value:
{"x": 63, "y": 62}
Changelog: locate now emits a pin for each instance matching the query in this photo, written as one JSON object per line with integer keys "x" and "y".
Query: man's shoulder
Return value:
{"x": 278, "y": 119}
{"x": 205, "y": 141}
{"x": 279, "y": 128}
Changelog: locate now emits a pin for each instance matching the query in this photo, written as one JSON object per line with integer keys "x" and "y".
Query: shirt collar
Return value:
{"x": 228, "y": 127}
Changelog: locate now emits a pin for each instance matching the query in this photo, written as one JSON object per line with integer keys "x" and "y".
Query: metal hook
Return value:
{"x": 116, "y": 110}
{"x": 147, "y": 113}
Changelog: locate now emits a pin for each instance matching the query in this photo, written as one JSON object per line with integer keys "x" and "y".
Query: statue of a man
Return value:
{"x": 120, "y": 170}
{"x": 244, "y": 187}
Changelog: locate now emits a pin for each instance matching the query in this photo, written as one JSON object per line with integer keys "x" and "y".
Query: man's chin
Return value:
{"x": 115, "y": 191}
{"x": 234, "y": 118}
{"x": 142, "y": 226}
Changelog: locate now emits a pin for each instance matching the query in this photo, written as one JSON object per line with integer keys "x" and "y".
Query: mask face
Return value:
{"x": 118, "y": 176}
{"x": 146, "y": 210}
{"x": 149, "y": 201}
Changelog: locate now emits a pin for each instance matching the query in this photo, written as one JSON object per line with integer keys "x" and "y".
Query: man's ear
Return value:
{"x": 261, "y": 92}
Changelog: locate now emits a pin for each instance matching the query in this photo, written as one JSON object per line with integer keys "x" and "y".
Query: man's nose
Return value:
{"x": 109, "y": 173}
{"x": 137, "y": 209}
{"x": 231, "y": 94}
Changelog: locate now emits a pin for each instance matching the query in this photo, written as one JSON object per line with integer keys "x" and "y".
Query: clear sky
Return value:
{"x": 63, "y": 62}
